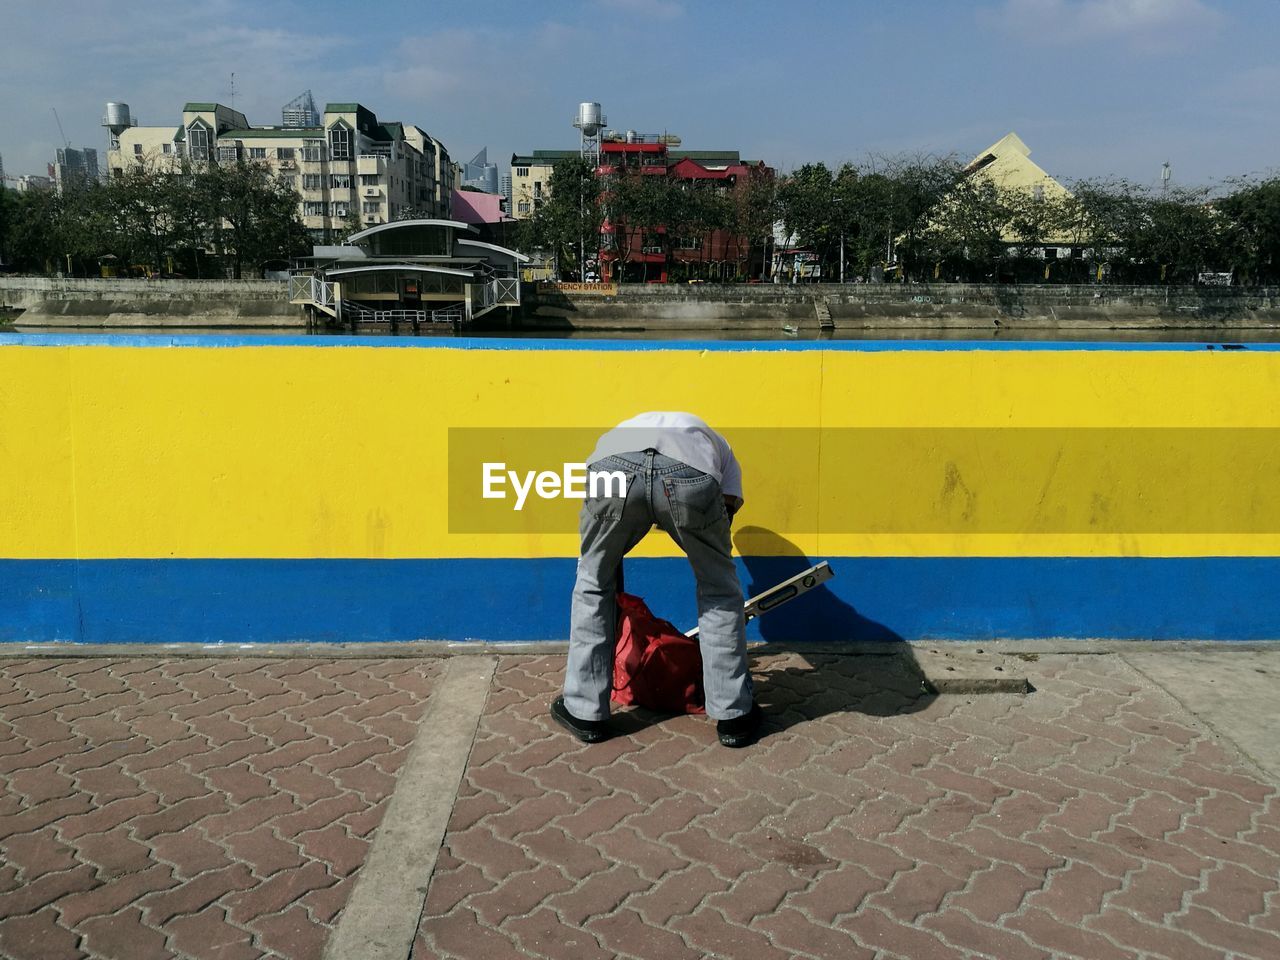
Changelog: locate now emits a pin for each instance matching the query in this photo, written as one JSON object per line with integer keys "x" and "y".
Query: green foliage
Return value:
{"x": 148, "y": 218}
{"x": 1250, "y": 228}
{"x": 569, "y": 218}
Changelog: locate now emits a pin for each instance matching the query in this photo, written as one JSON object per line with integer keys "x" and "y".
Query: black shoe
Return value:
{"x": 740, "y": 731}
{"x": 588, "y": 731}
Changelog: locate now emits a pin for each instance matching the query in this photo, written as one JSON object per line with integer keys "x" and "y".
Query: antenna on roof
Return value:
{"x": 233, "y": 89}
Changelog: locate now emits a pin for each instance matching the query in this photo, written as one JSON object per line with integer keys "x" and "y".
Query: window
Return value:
{"x": 369, "y": 179}
{"x": 340, "y": 208}
{"x": 311, "y": 181}
{"x": 523, "y": 206}
{"x": 537, "y": 189}
{"x": 257, "y": 153}
{"x": 166, "y": 148}
{"x": 371, "y": 206}
{"x": 137, "y": 149}
{"x": 284, "y": 153}
{"x": 340, "y": 181}
{"x": 228, "y": 153}
{"x": 522, "y": 171}
{"x": 340, "y": 142}
{"x": 198, "y": 140}
{"x": 313, "y": 150}
{"x": 313, "y": 208}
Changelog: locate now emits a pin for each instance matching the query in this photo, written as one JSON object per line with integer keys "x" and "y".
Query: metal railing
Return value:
{"x": 358, "y": 313}
{"x": 506, "y": 290}
{"x": 308, "y": 288}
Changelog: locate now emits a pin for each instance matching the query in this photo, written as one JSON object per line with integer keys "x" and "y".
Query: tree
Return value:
{"x": 965, "y": 231}
{"x": 1251, "y": 229}
{"x": 568, "y": 221}
{"x": 351, "y": 223}
{"x": 755, "y": 203}
{"x": 804, "y": 204}
{"x": 250, "y": 215}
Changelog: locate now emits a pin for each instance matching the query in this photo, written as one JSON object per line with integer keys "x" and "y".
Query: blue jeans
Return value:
{"x": 689, "y": 506}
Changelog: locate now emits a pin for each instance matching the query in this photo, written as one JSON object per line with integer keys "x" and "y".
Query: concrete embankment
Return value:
{"x": 59, "y": 302}
{"x": 943, "y": 306}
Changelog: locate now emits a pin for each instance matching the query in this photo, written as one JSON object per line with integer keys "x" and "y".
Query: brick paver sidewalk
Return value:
{"x": 195, "y": 808}
{"x": 221, "y": 808}
{"x": 1090, "y": 819}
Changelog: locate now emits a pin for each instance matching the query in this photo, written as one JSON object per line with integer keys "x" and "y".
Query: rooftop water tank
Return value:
{"x": 117, "y": 117}
{"x": 590, "y": 118}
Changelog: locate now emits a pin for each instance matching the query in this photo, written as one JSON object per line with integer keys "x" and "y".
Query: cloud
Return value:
{"x": 654, "y": 9}
{"x": 1152, "y": 24}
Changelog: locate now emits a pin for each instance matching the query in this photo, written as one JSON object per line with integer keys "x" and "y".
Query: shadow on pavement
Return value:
{"x": 873, "y": 672}
{"x": 878, "y": 676}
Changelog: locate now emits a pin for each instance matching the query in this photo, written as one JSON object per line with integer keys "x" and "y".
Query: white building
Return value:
{"x": 383, "y": 170}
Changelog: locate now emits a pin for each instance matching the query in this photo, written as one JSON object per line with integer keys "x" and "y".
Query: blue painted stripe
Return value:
{"x": 227, "y": 601}
{"x": 220, "y": 341}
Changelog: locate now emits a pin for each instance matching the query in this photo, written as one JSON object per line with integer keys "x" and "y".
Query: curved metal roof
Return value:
{"x": 388, "y": 267}
{"x": 370, "y": 231}
{"x": 514, "y": 254}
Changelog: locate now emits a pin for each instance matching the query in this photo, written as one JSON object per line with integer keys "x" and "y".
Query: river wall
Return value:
{"x": 949, "y": 306}
{"x": 56, "y": 302}
{"x": 73, "y": 302}
{"x": 233, "y": 489}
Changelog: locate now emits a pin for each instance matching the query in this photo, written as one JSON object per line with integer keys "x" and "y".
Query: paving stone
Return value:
{"x": 109, "y": 898}
{"x": 46, "y": 889}
{"x": 292, "y": 934}
{"x": 37, "y": 853}
{"x": 1050, "y": 933}
{"x": 880, "y": 932}
{"x": 124, "y": 934}
{"x": 38, "y": 936}
{"x": 598, "y": 895}
{"x": 959, "y": 929}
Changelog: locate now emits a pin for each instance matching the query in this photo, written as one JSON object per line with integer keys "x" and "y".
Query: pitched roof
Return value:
{"x": 541, "y": 158}
{"x": 268, "y": 132}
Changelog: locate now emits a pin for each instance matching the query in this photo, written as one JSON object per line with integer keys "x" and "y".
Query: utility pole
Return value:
{"x": 1166, "y": 173}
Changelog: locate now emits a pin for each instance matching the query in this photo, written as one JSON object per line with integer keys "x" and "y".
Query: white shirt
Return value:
{"x": 681, "y": 436}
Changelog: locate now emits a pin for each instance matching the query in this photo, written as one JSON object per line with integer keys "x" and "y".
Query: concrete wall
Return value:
{"x": 936, "y": 306}
{"x": 240, "y": 489}
{"x": 71, "y": 302}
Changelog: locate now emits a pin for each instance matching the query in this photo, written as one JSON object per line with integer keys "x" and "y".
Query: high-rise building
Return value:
{"x": 479, "y": 174}
{"x": 301, "y": 111}
{"x": 74, "y": 166}
{"x": 347, "y": 161}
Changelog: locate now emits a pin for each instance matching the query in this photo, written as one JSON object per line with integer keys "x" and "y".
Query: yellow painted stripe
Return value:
{"x": 299, "y": 452}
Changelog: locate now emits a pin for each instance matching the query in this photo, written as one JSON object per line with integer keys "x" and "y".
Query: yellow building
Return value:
{"x": 352, "y": 161}
{"x": 1008, "y": 164}
{"x": 531, "y": 179}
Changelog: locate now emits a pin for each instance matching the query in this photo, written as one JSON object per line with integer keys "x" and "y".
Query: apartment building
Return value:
{"x": 531, "y": 179}
{"x": 382, "y": 170}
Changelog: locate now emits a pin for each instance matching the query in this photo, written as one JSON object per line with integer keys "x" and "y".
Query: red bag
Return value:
{"x": 655, "y": 665}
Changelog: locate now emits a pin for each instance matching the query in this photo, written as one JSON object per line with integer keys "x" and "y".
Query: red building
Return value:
{"x": 657, "y": 254}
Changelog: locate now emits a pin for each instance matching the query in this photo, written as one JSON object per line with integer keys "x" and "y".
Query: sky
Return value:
{"x": 1096, "y": 88}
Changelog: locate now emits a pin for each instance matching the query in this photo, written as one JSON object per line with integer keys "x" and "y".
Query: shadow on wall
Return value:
{"x": 885, "y": 681}
{"x": 817, "y": 616}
